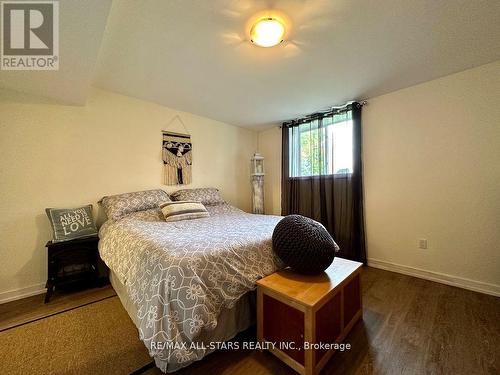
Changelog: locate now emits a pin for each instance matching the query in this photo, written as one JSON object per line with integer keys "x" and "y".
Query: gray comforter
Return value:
{"x": 180, "y": 275}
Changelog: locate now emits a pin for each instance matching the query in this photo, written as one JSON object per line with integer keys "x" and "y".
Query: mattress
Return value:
{"x": 188, "y": 282}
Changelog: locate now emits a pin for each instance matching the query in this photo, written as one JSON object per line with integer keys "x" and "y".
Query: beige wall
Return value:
{"x": 432, "y": 170}
{"x": 270, "y": 148}
{"x": 64, "y": 156}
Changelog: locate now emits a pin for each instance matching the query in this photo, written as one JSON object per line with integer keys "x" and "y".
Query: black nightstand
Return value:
{"x": 73, "y": 261}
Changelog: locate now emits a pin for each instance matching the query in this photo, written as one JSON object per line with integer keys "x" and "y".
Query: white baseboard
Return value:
{"x": 476, "y": 286}
{"x": 29, "y": 291}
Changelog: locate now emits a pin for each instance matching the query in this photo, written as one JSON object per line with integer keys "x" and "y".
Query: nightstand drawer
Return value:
{"x": 60, "y": 249}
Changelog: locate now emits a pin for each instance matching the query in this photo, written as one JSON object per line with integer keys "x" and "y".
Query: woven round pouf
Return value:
{"x": 303, "y": 244}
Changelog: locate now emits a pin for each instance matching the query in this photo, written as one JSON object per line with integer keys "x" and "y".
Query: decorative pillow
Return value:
{"x": 70, "y": 223}
{"x": 183, "y": 210}
{"x": 207, "y": 196}
{"x": 117, "y": 206}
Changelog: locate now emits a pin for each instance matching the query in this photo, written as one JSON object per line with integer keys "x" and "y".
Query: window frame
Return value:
{"x": 346, "y": 116}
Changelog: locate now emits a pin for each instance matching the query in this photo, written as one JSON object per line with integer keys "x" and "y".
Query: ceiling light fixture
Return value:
{"x": 267, "y": 32}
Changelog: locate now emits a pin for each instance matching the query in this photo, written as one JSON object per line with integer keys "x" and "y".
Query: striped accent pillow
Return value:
{"x": 183, "y": 210}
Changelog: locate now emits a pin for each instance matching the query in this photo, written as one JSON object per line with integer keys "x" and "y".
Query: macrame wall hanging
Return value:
{"x": 177, "y": 157}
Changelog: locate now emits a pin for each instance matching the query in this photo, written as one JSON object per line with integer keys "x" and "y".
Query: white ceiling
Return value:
{"x": 194, "y": 55}
{"x": 81, "y": 28}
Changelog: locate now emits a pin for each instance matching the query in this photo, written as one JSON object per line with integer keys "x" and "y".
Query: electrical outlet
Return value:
{"x": 422, "y": 243}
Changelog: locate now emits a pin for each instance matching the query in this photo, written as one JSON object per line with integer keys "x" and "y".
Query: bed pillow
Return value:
{"x": 207, "y": 196}
{"x": 117, "y": 206}
{"x": 183, "y": 210}
{"x": 71, "y": 223}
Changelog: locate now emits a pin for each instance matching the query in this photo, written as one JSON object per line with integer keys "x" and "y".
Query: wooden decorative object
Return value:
{"x": 293, "y": 308}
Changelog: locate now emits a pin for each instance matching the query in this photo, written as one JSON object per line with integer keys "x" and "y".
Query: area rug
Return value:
{"x": 97, "y": 338}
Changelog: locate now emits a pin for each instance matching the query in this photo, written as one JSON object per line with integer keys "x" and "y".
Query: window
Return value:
{"x": 322, "y": 147}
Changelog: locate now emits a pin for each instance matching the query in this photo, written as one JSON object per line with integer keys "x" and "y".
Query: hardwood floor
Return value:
{"x": 32, "y": 308}
{"x": 410, "y": 326}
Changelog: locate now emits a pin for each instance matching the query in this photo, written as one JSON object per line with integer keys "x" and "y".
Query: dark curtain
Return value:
{"x": 312, "y": 184}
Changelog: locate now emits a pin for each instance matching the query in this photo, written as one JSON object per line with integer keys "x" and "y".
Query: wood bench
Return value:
{"x": 300, "y": 313}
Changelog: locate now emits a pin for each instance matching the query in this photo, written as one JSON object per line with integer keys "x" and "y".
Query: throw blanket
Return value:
{"x": 180, "y": 275}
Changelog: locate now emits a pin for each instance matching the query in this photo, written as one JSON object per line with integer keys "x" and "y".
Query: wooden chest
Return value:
{"x": 300, "y": 318}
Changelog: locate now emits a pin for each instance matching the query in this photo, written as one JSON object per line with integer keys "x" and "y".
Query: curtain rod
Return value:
{"x": 324, "y": 112}
{"x": 360, "y": 102}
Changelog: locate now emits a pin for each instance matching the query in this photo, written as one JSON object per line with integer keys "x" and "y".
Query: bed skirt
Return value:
{"x": 230, "y": 321}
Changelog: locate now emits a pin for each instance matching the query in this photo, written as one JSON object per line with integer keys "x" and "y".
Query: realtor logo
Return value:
{"x": 30, "y": 35}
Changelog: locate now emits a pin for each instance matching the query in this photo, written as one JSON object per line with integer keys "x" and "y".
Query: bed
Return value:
{"x": 187, "y": 284}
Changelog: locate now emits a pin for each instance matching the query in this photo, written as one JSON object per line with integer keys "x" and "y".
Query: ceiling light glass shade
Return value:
{"x": 267, "y": 32}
